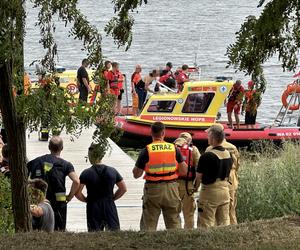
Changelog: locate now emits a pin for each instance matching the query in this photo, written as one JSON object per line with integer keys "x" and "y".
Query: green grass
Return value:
{"x": 281, "y": 233}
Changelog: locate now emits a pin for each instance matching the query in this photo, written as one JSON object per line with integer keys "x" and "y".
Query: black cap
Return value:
{"x": 169, "y": 64}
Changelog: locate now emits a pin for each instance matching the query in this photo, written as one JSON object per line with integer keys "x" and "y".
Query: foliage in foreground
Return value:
{"x": 269, "y": 186}
{"x": 283, "y": 233}
{"x": 6, "y": 216}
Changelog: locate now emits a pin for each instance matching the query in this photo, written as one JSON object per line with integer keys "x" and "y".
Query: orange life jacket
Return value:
{"x": 187, "y": 155}
{"x": 162, "y": 164}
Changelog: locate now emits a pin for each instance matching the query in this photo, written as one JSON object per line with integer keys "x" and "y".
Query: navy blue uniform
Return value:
{"x": 101, "y": 209}
{"x": 53, "y": 170}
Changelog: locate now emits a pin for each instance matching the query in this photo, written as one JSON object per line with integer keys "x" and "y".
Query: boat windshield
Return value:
{"x": 197, "y": 102}
{"x": 161, "y": 106}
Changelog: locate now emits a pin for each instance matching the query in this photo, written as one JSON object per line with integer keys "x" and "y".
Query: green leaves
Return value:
{"x": 275, "y": 32}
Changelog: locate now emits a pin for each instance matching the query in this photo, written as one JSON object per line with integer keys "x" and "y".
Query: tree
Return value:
{"x": 275, "y": 32}
{"x": 19, "y": 112}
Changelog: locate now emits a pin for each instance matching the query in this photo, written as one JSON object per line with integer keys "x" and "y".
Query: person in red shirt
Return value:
{"x": 234, "y": 102}
{"x": 250, "y": 105}
{"x": 136, "y": 93}
{"x": 182, "y": 77}
{"x": 115, "y": 81}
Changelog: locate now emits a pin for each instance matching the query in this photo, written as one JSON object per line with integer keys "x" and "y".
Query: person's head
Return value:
{"x": 5, "y": 151}
{"x": 180, "y": 141}
{"x": 85, "y": 62}
{"x": 107, "y": 65}
{"x": 185, "y": 67}
{"x": 38, "y": 190}
{"x": 237, "y": 83}
{"x": 115, "y": 66}
{"x": 56, "y": 145}
{"x": 187, "y": 136}
{"x": 154, "y": 73}
{"x": 158, "y": 130}
{"x": 216, "y": 135}
{"x": 95, "y": 153}
{"x": 169, "y": 66}
{"x": 251, "y": 85}
{"x": 138, "y": 68}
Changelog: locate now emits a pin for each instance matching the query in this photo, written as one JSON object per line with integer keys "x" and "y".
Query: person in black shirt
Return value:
{"x": 53, "y": 170}
{"x": 83, "y": 82}
{"x": 100, "y": 180}
{"x": 213, "y": 173}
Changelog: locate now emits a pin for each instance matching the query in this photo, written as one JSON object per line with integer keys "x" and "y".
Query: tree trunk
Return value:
{"x": 15, "y": 130}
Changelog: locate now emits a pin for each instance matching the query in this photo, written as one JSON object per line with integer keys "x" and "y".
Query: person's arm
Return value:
{"x": 75, "y": 185}
{"x": 79, "y": 195}
{"x": 122, "y": 189}
{"x": 137, "y": 172}
{"x": 197, "y": 181}
{"x": 36, "y": 210}
{"x": 86, "y": 84}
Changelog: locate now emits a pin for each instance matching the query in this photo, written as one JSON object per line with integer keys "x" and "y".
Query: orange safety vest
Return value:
{"x": 162, "y": 164}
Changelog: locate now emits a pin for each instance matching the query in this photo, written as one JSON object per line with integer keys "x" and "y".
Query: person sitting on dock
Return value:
{"x": 161, "y": 162}
{"x": 234, "y": 102}
{"x": 100, "y": 180}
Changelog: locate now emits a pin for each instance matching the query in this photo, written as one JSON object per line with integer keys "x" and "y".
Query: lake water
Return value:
{"x": 173, "y": 31}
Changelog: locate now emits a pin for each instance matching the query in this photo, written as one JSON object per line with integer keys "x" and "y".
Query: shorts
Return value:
{"x": 250, "y": 118}
{"x": 121, "y": 91}
{"x": 230, "y": 107}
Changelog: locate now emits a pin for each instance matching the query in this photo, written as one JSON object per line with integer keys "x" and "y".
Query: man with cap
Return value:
{"x": 191, "y": 157}
{"x": 213, "y": 173}
{"x": 161, "y": 162}
{"x": 233, "y": 177}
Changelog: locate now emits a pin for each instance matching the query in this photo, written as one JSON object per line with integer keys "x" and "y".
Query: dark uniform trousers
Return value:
{"x": 161, "y": 197}
{"x": 102, "y": 214}
{"x": 60, "y": 214}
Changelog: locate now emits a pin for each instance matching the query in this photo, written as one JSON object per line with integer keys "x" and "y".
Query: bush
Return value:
{"x": 269, "y": 186}
{"x": 6, "y": 215}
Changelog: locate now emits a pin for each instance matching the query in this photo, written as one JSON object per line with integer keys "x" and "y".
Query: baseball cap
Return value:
{"x": 216, "y": 126}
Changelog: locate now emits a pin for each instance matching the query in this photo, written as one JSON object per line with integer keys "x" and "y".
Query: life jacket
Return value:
{"x": 187, "y": 154}
{"x": 164, "y": 78}
{"x": 180, "y": 77}
{"x": 113, "y": 79}
{"x": 236, "y": 94}
{"x": 162, "y": 164}
{"x": 120, "y": 80}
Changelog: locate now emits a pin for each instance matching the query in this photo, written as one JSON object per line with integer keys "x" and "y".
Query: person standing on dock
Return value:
{"x": 83, "y": 81}
{"x": 213, "y": 173}
{"x": 191, "y": 157}
{"x": 100, "y": 180}
{"x": 234, "y": 102}
{"x": 137, "y": 93}
{"x": 233, "y": 177}
{"x": 161, "y": 162}
{"x": 54, "y": 170}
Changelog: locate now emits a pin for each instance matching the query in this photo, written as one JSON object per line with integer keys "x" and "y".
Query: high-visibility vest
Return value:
{"x": 187, "y": 155}
{"x": 162, "y": 164}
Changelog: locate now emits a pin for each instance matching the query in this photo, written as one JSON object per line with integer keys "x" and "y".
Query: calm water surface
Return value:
{"x": 175, "y": 31}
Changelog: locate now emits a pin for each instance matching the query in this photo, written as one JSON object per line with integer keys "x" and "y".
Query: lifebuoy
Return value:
{"x": 291, "y": 88}
{"x": 72, "y": 88}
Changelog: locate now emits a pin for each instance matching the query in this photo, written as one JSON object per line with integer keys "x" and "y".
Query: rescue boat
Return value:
{"x": 194, "y": 110}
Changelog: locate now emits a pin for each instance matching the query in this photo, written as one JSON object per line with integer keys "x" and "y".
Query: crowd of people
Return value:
{"x": 173, "y": 173}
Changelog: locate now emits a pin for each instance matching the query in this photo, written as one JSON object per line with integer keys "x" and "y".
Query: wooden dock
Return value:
{"x": 129, "y": 206}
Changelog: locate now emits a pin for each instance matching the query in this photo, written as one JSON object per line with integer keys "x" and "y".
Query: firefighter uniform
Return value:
{"x": 233, "y": 178}
{"x": 53, "y": 170}
{"x": 191, "y": 156}
{"x": 213, "y": 207}
{"x": 159, "y": 161}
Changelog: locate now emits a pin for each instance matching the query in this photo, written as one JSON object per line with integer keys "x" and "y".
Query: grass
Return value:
{"x": 280, "y": 233}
